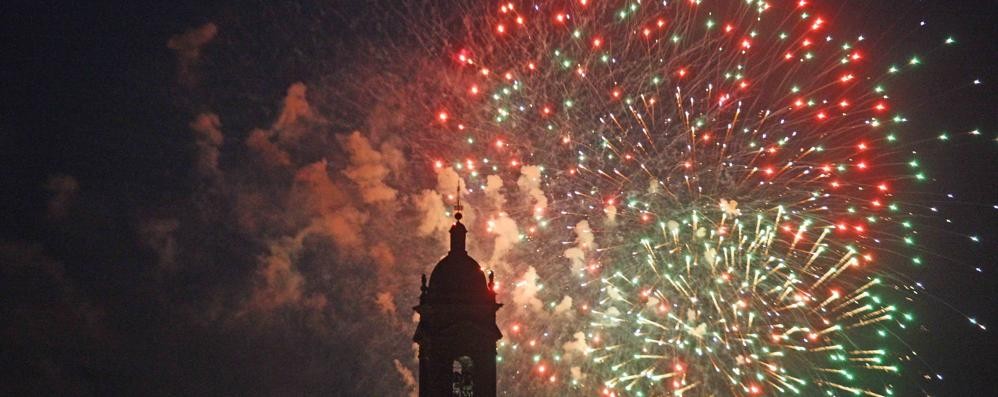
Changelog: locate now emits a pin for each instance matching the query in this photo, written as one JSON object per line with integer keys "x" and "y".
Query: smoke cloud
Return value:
{"x": 530, "y": 183}
{"x": 584, "y": 242}
{"x": 386, "y": 302}
{"x": 525, "y": 291}
{"x": 507, "y": 234}
{"x": 296, "y": 107}
{"x": 326, "y": 206}
{"x": 493, "y": 190}
{"x": 564, "y": 307}
{"x": 208, "y": 137}
{"x": 433, "y": 221}
{"x": 411, "y": 386}
{"x": 577, "y": 346}
{"x": 260, "y": 142}
{"x": 367, "y": 170}
{"x": 187, "y": 47}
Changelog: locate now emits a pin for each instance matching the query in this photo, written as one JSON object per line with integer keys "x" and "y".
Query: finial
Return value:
{"x": 457, "y": 231}
{"x": 458, "y": 207}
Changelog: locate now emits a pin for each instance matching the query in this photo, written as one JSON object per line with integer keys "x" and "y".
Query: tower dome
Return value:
{"x": 458, "y": 278}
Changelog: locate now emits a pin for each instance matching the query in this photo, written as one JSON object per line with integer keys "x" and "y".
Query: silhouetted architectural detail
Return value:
{"x": 457, "y": 330}
{"x": 463, "y": 381}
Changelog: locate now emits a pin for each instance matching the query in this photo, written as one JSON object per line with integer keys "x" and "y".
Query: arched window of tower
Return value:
{"x": 462, "y": 381}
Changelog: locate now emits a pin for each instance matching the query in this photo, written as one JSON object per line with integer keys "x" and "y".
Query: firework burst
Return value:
{"x": 705, "y": 187}
{"x": 696, "y": 198}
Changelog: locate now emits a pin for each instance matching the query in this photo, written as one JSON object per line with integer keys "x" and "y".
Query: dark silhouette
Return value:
{"x": 457, "y": 330}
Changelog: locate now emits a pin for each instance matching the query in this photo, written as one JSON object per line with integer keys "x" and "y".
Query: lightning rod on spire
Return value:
{"x": 458, "y": 207}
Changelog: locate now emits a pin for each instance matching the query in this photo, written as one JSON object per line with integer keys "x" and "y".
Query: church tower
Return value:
{"x": 457, "y": 330}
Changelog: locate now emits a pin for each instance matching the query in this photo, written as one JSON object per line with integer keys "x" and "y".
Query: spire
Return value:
{"x": 458, "y": 231}
{"x": 458, "y": 207}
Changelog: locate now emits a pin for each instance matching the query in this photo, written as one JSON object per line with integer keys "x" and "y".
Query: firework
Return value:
{"x": 689, "y": 196}
{"x": 698, "y": 198}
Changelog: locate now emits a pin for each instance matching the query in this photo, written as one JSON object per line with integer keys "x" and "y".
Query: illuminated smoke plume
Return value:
{"x": 386, "y": 302}
{"x": 187, "y": 47}
{"x": 577, "y": 346}
{"x": 507, "y": 234}
{"x": 261, "y": 143}
{"x": 296, "y": 107}
{"x": 367, "y": 170}
{"x": 208, "y": 137}
{"x": 525, "y": 291}
{"x": 564, "y": 307}
{"x": 584, "y": 242}
{"x": 493, "y": 190}
{"x": 411, "y": 386}
{"x": 530, "y": 183}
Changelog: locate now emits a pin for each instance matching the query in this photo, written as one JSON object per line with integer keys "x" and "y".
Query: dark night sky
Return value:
{"x": 92, "y": 92}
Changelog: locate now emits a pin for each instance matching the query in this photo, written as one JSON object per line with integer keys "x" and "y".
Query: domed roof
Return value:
{"x": 458, "y": 278}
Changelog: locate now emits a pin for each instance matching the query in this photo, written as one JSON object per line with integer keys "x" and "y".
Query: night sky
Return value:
{"x": 124, "y": 271}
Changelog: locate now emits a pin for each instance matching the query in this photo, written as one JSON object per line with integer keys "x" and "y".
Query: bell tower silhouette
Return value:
{"x": 457, "y": 330}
